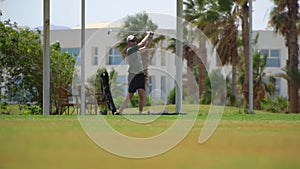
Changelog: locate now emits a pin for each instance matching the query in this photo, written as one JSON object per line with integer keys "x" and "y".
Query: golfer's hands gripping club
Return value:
{"x": 151, "y": 34}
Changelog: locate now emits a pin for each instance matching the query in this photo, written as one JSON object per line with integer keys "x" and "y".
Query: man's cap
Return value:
{"x": 130, "y": 38}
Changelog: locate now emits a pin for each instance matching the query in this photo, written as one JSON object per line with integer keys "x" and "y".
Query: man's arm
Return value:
{"x": 146, "y": 41}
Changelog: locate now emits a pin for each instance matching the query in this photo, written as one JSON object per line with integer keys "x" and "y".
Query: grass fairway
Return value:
{"x": 241, "y": 141}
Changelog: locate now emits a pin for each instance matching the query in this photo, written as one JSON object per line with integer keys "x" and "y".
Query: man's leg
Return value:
{"x": 142, "y": 99}
{"x": 125, "y": 102}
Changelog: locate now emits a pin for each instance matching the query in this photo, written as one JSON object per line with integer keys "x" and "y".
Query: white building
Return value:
{"x": 273, "y": 45}
{"x": 100, "y": 51}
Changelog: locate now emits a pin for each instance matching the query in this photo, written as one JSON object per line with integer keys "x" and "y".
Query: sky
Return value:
{"x": 68, "y": 12}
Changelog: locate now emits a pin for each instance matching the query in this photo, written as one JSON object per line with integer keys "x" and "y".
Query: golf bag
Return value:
{"x": 106, "y": 89}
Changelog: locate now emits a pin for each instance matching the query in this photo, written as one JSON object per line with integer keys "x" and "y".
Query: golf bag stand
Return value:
{"x": 106, "y": 89}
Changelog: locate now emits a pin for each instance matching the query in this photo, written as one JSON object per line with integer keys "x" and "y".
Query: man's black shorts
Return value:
{"x": 136, "y": 81}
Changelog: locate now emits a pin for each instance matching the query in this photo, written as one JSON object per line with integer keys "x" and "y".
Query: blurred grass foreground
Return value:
{"x": 261, "y": 141}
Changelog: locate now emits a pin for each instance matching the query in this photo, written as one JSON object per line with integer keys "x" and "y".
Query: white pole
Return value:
{"x": 250, "y": 60}
{"x": 46, "y": 59}
{"x": 178, "y": 65}
{"x": 82, "y": 58}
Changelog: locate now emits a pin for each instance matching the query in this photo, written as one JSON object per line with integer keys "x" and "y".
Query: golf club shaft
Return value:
{"x": 126, "y": 31}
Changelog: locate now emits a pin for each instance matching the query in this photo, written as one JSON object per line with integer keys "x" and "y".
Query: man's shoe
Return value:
{"x": 116, "y": 113}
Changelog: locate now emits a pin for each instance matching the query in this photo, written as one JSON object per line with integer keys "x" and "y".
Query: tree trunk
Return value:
{"x": 201, "y": 66}
{"x": 293, "y": 48}
{"x": 258, "y": 96}
{"x": 234, "y": 76}
{"x": 189, "y": 56}
{"x": 234, "y": 61}
{"x": 245, "y": 36}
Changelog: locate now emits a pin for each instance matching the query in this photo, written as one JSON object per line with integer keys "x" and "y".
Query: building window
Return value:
{"x": 115, "y": 57}
{"x": 74, "y": 52}
{"x": 277, "y": 86}
{"x": 273, "y": 57}
{"x": 264, "y": 52}
{"x": 95, "y": 56}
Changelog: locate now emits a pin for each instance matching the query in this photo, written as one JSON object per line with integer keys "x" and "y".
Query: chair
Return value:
{"x": 64, "y": 101}
{"x": 93, "y": 100}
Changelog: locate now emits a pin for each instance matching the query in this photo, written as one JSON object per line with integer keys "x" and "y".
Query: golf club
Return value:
{"x": 110, "y": 30}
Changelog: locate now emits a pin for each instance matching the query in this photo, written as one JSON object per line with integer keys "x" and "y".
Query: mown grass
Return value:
{"x": 261, "y": 141}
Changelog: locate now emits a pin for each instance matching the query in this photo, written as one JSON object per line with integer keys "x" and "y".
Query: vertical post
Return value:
{"x": 178, "y": 100}
{"x": 82, "y": 58}
{"x": 46, "y": 59}
{"x": 250, "y": 59}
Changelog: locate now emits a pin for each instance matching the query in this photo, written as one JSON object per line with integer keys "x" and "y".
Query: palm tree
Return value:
{"x": 228, "y": 51}
{"x": 217, "y": 19}
{"x": 226, "y": 38}
{"x": 197, "y": 13}
{"x": 293, "y": 75}
{"x": 259, "y": 86}
{"x": 244, "y": 16}
{"x": 284, "y": 20}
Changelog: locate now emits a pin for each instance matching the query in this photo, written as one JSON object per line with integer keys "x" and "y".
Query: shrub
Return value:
{"x": 277, "y": 105}
{"x": 135, "y": 101}
{"x": 33, "y": 110}
{"x": 3, "y": 108}
{"x": 171, "y": 96}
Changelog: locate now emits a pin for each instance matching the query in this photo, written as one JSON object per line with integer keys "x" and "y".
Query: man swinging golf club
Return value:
{"x": 136, "y": 78}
